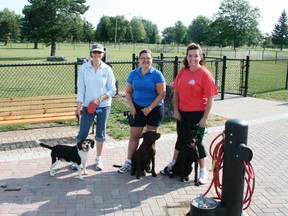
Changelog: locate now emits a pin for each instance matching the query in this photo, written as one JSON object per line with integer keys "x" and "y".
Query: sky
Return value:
{"x": 164, "y": 13}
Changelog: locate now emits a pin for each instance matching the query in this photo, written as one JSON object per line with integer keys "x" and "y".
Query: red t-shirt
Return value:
{"x": 194, "y": 88}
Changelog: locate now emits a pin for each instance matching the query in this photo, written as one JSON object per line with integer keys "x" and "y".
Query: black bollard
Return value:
{"x": 235, "y": 152}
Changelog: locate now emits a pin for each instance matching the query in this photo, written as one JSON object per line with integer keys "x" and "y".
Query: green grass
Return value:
{"x": 264, "y": 78}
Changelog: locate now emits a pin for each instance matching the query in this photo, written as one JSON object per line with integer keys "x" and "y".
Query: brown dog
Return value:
{"x": 145, "y": 154}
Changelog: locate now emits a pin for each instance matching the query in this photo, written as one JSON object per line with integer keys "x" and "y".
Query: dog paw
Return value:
{"x": 52, "y": 173}
{"x": 81, "y": 177}
{"x": 185, "y": 179}
{"x": 137, "y": 177}
{"x": 154, "y": 174}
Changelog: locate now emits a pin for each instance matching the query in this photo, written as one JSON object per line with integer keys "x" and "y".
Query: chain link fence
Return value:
{"x": 233, "y": 76}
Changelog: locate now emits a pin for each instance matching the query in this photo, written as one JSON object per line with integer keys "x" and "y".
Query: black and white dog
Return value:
{"x": 77, "y": 154}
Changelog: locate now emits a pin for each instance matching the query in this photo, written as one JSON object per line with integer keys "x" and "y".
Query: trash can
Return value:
{"x": 203, "y": 206}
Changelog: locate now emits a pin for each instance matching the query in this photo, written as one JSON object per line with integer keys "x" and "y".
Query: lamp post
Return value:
{"x": 115, "y": 40}
{"x": 116, "y": 27}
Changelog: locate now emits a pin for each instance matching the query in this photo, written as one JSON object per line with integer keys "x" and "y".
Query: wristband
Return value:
{"x": 149, "y": 108}
{"x": 100, "y": 99}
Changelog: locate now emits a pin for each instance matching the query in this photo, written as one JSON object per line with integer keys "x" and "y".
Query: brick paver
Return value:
{"x": 27, "y": 189}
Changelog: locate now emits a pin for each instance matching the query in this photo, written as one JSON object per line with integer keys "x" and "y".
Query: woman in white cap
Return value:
{"x": 95, "y": 86}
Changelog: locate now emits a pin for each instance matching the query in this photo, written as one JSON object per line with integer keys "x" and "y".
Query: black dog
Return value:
{"x": 77, "y": 154}
{"x": 144, "y": 155}
{"x": 188, "y": 155}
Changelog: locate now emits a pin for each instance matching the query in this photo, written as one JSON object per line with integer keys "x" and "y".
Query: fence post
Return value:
{"x": 247, "y": 66}
{"x": 76, "y": 76}
{"x": 176, "y": 66}
{"x": 133, "y": 61}
{"x": 223, "y": 77}
{"x": 286, "y": 87}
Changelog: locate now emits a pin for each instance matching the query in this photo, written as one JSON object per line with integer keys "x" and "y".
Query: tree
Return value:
{"x": 280, "y": 32}
{"x": 168, "y": 35}
{"x": 88, "y": 32}
{"x": 266, "y": 41}
{"x": 239, "y": 21}
{"x": 152, "y": 32}
{"x": 138, "y": 30}
{"x": 105, "y": 30}
{"x": 180, "y": 33}
{"x": 47, "y": 20}
{"x": 9, "y": 25}
{"x": 198, "y": 30}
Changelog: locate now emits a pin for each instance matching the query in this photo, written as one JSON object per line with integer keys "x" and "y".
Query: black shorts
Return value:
{"x": 188, "y": 120}
{"x": 154, "y": 118}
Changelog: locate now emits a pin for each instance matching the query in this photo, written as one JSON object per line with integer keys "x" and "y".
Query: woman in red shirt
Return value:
{"x": 194, "y": 93}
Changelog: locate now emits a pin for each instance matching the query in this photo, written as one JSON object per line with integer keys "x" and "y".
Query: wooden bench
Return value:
{"x": 39, "y": 109}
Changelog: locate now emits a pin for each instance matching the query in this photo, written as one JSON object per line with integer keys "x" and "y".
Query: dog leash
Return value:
{"x": 200, "y": 131}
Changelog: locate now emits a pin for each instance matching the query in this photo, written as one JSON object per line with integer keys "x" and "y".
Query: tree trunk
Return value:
{"x": 35, "y": 45}
{"x": 53, "y": 48}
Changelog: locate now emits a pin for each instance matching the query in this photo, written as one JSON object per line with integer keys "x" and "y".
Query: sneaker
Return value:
{"x": 98, "y": 164}
{"x": 168, "y": 168}
{"x": 125, "y": 168}
{"x": 74, "y": 166}
{"x": 203, "y": 176}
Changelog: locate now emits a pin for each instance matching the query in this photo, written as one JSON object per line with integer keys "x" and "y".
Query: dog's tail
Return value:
{"x": 42, "y": 144}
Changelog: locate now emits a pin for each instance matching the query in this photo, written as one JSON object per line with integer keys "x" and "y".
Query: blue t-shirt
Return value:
{"x": 144, "y": 87}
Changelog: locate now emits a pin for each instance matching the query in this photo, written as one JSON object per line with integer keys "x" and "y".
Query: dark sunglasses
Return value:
{"x": 96, "y": 52}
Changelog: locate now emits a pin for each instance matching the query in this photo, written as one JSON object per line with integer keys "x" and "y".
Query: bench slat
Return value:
{"x": 38, "y": 109}
{"x": 9, "y": 118}
{"x": 38, "y": 120}
{"x": 50, "y": 97}
{"x": 47, "y": 111}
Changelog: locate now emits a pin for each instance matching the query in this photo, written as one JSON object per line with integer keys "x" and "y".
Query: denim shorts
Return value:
{"x": 154, "y": 118}
{"x": 102, "y": 115}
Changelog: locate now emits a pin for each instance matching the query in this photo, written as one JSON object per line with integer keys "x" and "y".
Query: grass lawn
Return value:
{"x": 261, "y": 80}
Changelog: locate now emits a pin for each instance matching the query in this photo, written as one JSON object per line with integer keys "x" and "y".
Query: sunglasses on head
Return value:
{"x": 96, "y": 52}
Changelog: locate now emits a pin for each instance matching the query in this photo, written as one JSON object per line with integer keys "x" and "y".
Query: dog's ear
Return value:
{"x": 92, "y": 142}
{"x": 157, "y": 135}
{"x": 79, "y": 144}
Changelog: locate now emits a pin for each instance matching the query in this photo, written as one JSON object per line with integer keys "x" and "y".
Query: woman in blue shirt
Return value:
{"x": 145, "y": 91}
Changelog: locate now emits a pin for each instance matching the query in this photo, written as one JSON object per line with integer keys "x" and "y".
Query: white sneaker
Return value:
{"x": 168, "y": 168}
{"x": 74, "y": 166}
{"x": 203, "y": 176}
{"x": 126, "y": 167}
{"x": 98, "y": 164}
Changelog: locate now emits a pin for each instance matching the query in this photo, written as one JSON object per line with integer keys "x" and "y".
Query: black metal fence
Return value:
{"x": 233, "y": 76}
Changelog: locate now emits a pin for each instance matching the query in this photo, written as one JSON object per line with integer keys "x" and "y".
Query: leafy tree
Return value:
{"x": 198, "y": 30}
{"x": 152, "y": 32}
{"x": 124, "y": 33}
{"x": 9, "y": 25}
{"x": 280, "y": 32}
{"x": 180, "y": 33}
{"x": 266, "y": 41}
{"x": 88, "y": 32}
{"x": 47, "y": 20}
{"x": 138, "y": 30}
{"x": 105, "y": 29}
{"x": 75, "y": 28}
{"x": 239, "y": 19}
{"x": 217, "y": 33}
{"x": 168, "y": 35}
